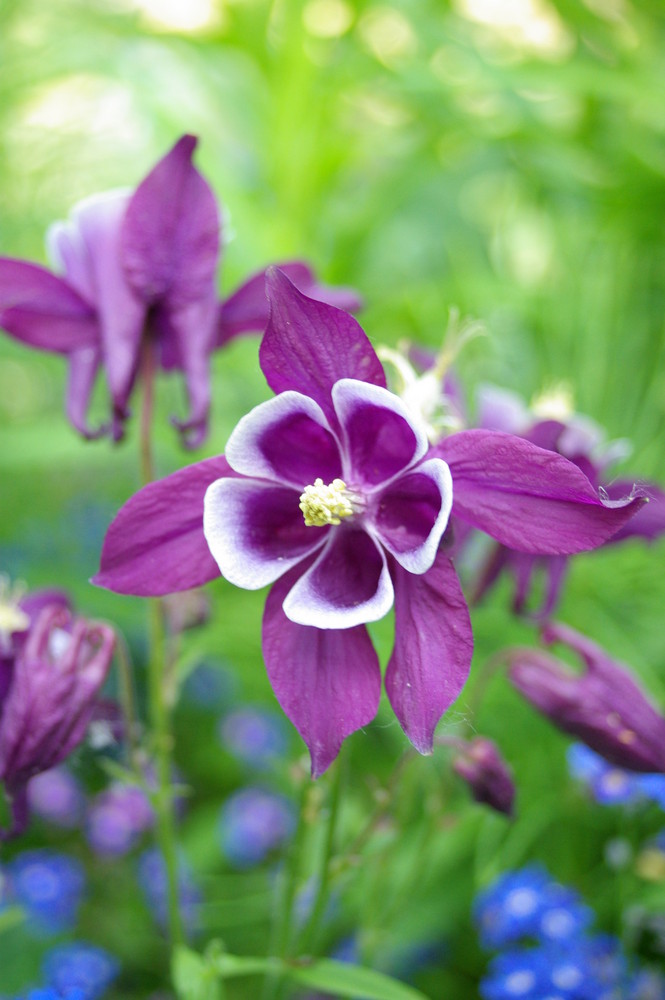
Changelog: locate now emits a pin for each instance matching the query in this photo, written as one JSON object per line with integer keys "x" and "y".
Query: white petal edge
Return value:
{"x": 348, "y": 392}
{"x": 224, "y": 507}
{"x": 242, "y": 451}
{"x": 305, "y": 606}
{"x": 421, "y": 559}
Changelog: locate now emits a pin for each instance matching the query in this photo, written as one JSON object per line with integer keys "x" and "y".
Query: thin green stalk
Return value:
{"x": 323, "y": 883}
{"x": 159, "y": 709}
{"x": 128, "y": 702}
{"x": 282, "y": 925}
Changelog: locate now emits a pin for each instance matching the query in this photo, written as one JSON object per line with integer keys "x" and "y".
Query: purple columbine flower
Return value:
{"x": 137, "y": 275}
{"x": 331, "y": 493}
{"x": 480, "y": 763}
{"x": 50, "y": 675}
{"x": 551, "y": 423}
{"x": 604, "y": 707}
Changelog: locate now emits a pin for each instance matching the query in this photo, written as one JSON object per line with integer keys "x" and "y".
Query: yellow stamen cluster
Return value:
{"x": 555, "y": 402}
{"x": 12, "y": 618}
{"x": 323, "y": 504}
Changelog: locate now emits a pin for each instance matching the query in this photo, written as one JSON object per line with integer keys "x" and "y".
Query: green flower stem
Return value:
{"x": 158, "y": 681}
{"x": 323, "y": 882}
{"x": 282, "y": 929}
{"x": 128, "y": 702}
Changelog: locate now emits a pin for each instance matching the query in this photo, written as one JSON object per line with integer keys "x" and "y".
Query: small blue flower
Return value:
{"x": 612, "y": 785}
{"x": 647, "y": 984}
{"x": 652, "y": 786}
{"x": 209, "y": 686}
{"x": 49, "y": 887}
{"x": 253, "y": 822}
{"x": 153, "y": 882}
{"x": 516, "y": 975}
{"x": 79, "y": 971}
{"x": 511, "y": 907}
{"x": 563, "y": 915}
{"x": 255, "y": 735}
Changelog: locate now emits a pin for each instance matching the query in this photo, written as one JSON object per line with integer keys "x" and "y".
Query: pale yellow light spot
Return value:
{"x": 12, "y": 619}
{"x": 327, "y": 18}
{"x": 323, "y": 504}
{"x": 555, "y": 402}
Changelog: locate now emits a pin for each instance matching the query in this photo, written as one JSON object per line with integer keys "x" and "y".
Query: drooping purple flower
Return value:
{"x": 50, "y": 680}
{"x": 480, "y": 763}
{"x": 552, "y": 424}
{"x": 331, "y": 492}
{"x": 604, "y": 707}
{"x": 137, "y": 276}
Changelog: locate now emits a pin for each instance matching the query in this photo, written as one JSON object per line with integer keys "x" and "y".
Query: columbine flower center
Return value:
{"x": 323, "y": 504}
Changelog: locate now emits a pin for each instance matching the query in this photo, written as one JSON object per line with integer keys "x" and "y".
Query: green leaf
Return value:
{"x": 352, "y": 981}
{"x": 194, "y": 977}
{"x": 11, "y": 917}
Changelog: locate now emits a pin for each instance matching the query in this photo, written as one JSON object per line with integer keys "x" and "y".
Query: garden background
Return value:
{"x": 503, "y": 157}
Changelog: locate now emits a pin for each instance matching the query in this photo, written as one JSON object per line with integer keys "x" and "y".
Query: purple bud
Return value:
{"x": 604, "y": 707}
{"x": 52, "y": 682}
{"x": 489, "y": 777}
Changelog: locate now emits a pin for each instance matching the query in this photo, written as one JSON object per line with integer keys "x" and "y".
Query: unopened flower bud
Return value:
{"x": 489, "y": 777}
{"x": 604, "y": 707}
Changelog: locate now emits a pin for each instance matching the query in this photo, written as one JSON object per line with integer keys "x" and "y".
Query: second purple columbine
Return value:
{"x": 331, "y": 493}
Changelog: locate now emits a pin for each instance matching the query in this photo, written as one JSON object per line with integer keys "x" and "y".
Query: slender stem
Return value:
{"x": 159, "y": 708}
{"x": 128, "y": 702}
{"x": 281, "y": 930}
{"x": 323, "y": 882}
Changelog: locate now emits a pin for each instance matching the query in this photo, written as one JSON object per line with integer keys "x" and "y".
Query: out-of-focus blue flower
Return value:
{"x": 210, "y": 686}
{"x": 79, "y": 970}
{"x": 516, "y": 975}
{"x": 56, "y": 796}
{"x": 253, "y": 822}
{"x": 117, "y": 818}
{"x": 611, "y": 785}
{"x": 257, "y": 736}
{"x": 529, "y": 904}
{"x": 49, "y": 887}
{"x": 509, "y": 909}
{"x": 647, "y": 984}
{"x": 47, "y": 993}
{"x": 153, "y": 881}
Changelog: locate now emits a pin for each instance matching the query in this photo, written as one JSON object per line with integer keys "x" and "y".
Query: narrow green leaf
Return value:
{"x": 345, "y": 980}
{"x": 193, "y": 976}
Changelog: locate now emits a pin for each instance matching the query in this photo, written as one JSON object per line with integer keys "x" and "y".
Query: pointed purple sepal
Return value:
{"x": 155, "y": 545}
{"x": 529, "y": 499}
{"x": 433, "y": 648}
{"x": 327, "y": 681}
{"x": 308, "y": 345}
{"x": 43, "y": 311}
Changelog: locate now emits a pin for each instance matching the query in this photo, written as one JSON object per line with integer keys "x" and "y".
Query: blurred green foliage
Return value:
{"x": 504, "y": 158}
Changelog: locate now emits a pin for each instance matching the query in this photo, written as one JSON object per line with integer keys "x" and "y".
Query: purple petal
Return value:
{"x": 255, "y": 531}
{"x": 247, "y": 311}
{"x": 412, "y": 513}
{"x": 433, "y": 649}
{"x": 43, "y": 311}
{"x": 649, "y": 522}
{"x": 288, "y": 439}
{"x": 98, "y": 222}
{"x": 379, "y": 433}
{"x": 170, "y": 233}
{"x": 83, "y": 368}
{"x": 308, "y": 345}
{"x": 527, "y": 498}
{"x": 327, "y": 682}
{"x": 155, "y": 545}
{"x": 349, "y": 584}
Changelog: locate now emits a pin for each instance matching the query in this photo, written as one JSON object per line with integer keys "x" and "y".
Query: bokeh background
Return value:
{"x": 504, "y": 157}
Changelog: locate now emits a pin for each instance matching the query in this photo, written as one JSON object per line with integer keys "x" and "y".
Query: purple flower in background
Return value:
{"x": 254, "y": 735}
{"x": 49, "y": 679}
{"x": 480, "y": 763}
{"x": 253, "y": 822}
{"x": 80, "y": 967}
{"x": 138, "y": 289}
{"x": 56, "y": 796}
{"x": 604, "y": 707}
{"x": 152, "y": 880}
{"x": 116, "y": 819}
{"x": 331, "y": 492}
{"x": 49, "y": 887}
{"x": 552, "y": 424}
